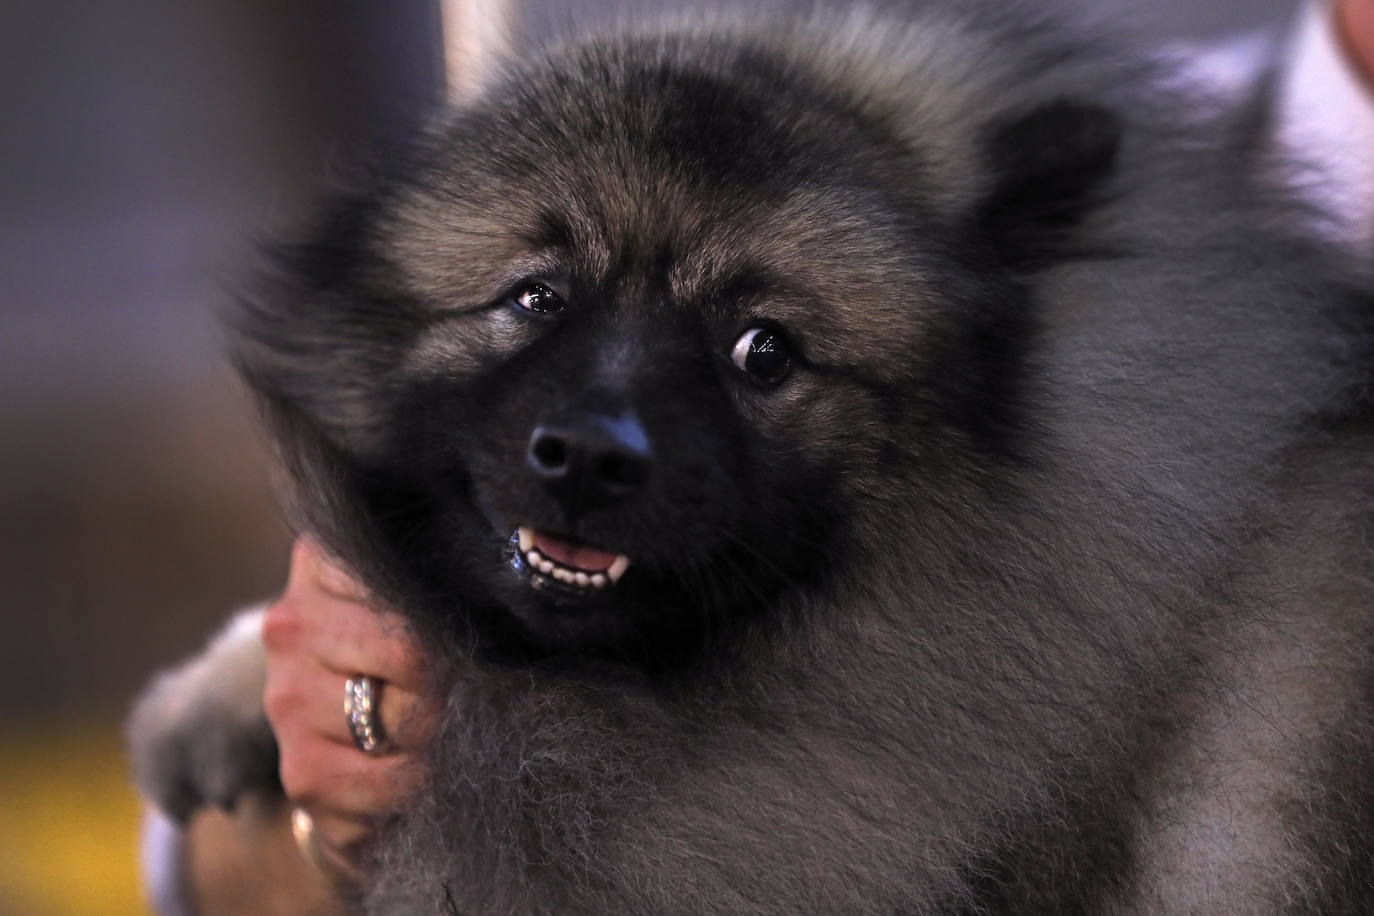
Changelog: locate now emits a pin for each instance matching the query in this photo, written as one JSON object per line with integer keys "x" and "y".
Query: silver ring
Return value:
{"x": 362, "y": 699}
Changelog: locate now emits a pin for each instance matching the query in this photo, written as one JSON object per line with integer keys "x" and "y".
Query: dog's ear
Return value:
{"x": 1049, "y": 168}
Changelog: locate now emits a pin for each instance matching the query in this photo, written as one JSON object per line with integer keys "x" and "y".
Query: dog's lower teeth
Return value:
{"x": 581, "y": 578}
{"x": 567, "y": 576}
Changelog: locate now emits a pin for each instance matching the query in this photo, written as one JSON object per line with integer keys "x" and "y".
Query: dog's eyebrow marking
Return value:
{"x": 550, "y": 232}
{"x": 547, "y": 266}
{"x": 577, "y": 237}
{"x": 694, "y": 282}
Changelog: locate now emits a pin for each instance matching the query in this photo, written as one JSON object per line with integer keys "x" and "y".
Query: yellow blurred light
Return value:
{"x": 68, "y": 824}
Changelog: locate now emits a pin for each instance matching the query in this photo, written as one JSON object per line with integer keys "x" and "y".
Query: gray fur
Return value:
{"x": 1091, "y": 630}
{"x": 199, "y": 735}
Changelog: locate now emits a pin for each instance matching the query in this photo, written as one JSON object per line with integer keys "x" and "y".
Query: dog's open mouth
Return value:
{"x": 565, "y": 565}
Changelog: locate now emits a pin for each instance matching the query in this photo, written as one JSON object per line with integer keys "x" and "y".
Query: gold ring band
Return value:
{"x": 336, "y": 873}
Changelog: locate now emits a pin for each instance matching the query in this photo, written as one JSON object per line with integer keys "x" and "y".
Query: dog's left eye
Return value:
{"x": 537, "y": 297}
{"x": 762, "y": 354}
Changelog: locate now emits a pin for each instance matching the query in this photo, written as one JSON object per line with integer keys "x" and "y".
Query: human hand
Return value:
{"x": 1355, "y": 22}
{"x": 321, "y": 631}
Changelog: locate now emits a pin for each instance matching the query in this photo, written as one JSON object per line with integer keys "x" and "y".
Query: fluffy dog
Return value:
{"x": 860, "y": 465}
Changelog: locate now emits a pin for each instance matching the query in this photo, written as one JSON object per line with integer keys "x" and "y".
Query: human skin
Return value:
{"x": 322, "y": 630}
{"x": 246, "y": 863}
{"x": 1355, "y": 21}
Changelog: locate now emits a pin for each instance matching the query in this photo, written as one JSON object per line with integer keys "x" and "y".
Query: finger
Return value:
{"x": 345, "y": 636}
{"x": 340, "y": 836}
{"x": 309, "y": 699}
{"x": 332, "y": 780}
{"x": 350, "y": 639}
{"x": 313, "y": 563}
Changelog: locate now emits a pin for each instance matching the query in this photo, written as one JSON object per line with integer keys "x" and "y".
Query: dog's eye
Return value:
{"x": 538, "y": 298}
{"x": 762, "y": 354}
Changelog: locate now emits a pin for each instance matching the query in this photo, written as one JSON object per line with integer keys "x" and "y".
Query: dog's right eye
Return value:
{"x": 537, "y": 297}
{"x": 762, "y": 354}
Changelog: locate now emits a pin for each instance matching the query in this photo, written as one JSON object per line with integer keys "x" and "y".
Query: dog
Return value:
{"x": 885, "y": 463}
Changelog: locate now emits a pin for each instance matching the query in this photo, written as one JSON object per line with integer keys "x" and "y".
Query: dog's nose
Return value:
{"x": 589, "y": 459}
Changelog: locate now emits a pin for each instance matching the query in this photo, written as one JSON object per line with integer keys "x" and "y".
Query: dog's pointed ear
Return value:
{"x": 1049, "y": 166}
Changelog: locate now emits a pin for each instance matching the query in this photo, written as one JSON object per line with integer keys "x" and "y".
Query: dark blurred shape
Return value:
{"x": 148, "y": 145}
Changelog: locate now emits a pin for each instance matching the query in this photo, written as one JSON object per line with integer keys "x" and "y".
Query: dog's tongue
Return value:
{"x": 575, "y": 555}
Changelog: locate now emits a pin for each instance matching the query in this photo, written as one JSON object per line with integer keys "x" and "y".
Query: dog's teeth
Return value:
{"x": 536, "y": 560}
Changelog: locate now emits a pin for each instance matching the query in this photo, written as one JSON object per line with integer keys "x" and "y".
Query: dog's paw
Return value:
{"x": 199, "y": 736}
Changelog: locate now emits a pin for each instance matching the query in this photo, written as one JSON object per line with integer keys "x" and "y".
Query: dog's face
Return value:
{"x": 613, "y": 369}
{"x": 647, "y": 358}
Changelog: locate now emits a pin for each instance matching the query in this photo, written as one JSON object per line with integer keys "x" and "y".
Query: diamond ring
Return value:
{"x": 362, "y": 700}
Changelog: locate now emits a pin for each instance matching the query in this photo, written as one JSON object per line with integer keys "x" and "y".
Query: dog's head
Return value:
{"x": 634, "y": 344}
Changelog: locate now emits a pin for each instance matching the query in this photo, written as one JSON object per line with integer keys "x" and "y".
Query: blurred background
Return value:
{"x": 146, "y": 147}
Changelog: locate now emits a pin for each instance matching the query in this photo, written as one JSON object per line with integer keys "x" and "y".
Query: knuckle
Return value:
{"x": 280, "y": 700}
{"x": 281, "y": 626}
{"x": 332, "y": 579}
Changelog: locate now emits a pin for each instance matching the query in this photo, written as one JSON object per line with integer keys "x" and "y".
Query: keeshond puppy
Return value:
{"x": 857, "y": 465}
